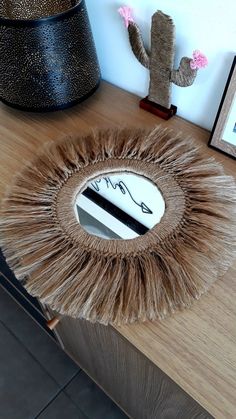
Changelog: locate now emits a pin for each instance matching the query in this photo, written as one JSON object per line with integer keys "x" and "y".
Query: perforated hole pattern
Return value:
{"x": 32, "y": 9}
{"x": 46, "y": 63}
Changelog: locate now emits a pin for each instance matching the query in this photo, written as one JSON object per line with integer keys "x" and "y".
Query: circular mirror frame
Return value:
{"x": 64, "y": 204}
{"x": 113, "y": 194}
{"x": 120, "y": 281}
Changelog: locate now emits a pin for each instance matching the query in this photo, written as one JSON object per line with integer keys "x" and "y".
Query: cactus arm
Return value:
{"x": 185, "y": 75}
{"x": 137, "y": 45}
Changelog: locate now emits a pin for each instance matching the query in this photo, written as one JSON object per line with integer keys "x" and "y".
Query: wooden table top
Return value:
{"x": 195, "y": 347}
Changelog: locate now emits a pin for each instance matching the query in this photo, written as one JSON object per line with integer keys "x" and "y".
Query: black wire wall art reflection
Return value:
{"x": 48, "y": 62}
{"x": 121, "y": 187}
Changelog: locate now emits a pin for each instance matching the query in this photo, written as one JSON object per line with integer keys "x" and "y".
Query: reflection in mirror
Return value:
{"x": 119, "y": 206}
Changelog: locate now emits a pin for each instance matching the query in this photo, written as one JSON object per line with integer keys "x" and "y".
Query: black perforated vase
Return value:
{"x": 48, "y": 59}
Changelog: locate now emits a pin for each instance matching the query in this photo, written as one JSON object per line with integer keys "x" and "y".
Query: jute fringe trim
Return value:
{"x": 120, "y": 281}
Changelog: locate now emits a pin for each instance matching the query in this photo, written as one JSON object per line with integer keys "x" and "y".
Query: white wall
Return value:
{"x": 208, "y": 25}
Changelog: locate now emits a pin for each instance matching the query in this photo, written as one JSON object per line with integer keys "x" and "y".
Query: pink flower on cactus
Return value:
{"x": 126, "y": 13}
{"x": 199, "y": 60}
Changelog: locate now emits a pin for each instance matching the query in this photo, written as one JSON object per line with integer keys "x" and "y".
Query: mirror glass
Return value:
{"x": 119, "y": 206}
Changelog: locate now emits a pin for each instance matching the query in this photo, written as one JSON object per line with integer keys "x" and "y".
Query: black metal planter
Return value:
{"x": 47, "y": 62}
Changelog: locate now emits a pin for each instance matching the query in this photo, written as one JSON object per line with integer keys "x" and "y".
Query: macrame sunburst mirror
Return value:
{"x": 105, "y": 277}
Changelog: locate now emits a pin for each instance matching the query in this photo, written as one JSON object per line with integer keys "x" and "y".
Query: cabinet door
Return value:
{"x": 141, "y": 389}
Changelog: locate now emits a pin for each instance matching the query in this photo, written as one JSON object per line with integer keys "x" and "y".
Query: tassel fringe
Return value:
{"x": 120, "y": 281}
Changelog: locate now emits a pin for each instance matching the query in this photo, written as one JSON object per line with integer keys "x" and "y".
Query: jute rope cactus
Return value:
{"x": 160, "y": 59}
{"x": 120, "y": 281}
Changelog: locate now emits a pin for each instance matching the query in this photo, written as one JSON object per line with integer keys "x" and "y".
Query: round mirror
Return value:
{"x": 119, "y": 206}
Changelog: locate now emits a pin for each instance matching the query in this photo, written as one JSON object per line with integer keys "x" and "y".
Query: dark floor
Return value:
{"x": 37, "y": 379}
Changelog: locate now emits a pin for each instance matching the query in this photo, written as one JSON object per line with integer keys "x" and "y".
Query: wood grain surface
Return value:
{"x": 139, "y": 387}
{"x": 196, "y": 347}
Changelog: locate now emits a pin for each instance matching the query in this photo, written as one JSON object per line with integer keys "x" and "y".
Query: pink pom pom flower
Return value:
{"x": 199, "y": 60}
{"x": 126, "y": 13}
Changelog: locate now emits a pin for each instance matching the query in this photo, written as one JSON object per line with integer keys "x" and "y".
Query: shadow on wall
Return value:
{"x": 198, "y": 26}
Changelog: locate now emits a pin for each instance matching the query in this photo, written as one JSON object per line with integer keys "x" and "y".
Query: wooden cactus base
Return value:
{"x": 156, "y": 109}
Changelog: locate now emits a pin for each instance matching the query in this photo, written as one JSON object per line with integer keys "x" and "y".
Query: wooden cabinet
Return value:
{"x": 139, "y": 387}
{"x": 158, "y": 370}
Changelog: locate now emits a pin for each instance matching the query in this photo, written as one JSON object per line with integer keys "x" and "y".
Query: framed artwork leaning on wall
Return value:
{"x": 223, "y": 135}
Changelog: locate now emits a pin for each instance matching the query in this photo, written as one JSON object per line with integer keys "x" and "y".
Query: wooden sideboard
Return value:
{"x": 182, "y": 367}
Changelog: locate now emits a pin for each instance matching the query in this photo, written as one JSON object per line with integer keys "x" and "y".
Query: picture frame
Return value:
{"x": 223, "y": 135}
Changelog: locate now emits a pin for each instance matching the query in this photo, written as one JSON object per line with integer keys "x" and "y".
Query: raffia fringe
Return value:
{"x": 120, "y": 281}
